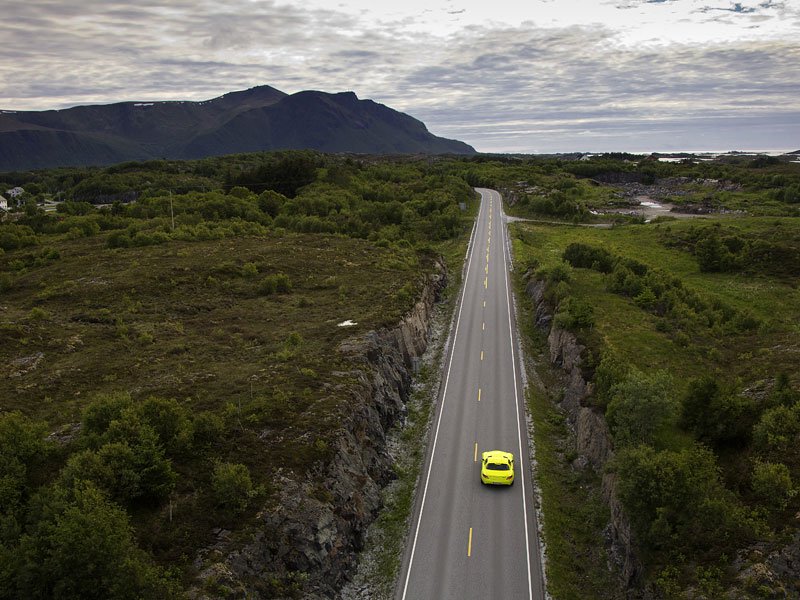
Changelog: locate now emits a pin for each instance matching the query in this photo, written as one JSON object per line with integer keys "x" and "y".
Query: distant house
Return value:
{"x": 15, "y": 192}
{"x": 3, "y": 203}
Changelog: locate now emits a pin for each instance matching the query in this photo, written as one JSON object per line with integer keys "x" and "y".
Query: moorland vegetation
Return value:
{"x": 167, "y": 361}
{"x": 168, "y": 342}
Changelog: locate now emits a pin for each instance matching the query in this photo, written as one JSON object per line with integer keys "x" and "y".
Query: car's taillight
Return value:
{"x": 510, "y": 477}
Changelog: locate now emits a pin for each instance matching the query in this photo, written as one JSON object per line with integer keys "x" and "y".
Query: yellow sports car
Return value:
{"x": 497, "y": 468}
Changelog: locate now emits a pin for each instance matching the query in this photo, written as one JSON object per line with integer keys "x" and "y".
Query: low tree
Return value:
{"x": 23, "y": 448}
{"x": 717, "y": 414}
{"x": 83, "y": 547}
{"x": 677, "y": 501}
{"x": 231, "y": 486}
{"x": 772, "y": 484}
{"x": 641, "y": 405}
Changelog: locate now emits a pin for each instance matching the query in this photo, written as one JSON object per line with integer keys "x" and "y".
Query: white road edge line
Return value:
{"x": 516, "y": 399}
{"x": 441, "y": 408}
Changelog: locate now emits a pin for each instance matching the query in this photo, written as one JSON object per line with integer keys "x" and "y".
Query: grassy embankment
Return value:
{"x": 748, "y": 356}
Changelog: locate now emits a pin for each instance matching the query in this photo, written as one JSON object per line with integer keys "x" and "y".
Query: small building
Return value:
{"x": 15, "y": 192}
{"x": 3, "y": 203}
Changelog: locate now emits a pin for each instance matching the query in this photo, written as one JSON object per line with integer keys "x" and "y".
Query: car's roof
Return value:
{"x": 498, "y": 455}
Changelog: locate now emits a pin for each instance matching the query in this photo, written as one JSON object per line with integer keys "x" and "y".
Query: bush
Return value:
{"x": 716, "y": 415}
{"x": 131, "y": 439}
{"x": 207, "y": 429}
{"x": 624, "y": 281}
{"x": 101, "y": 411}
{"x": 589, "y": 257}
{"x": 641, "y": 406}
{"x": 777, "y": 434}
{"x": 558, "y": 272}
{"x": 273, "y": 284}
{"x": 169, "y": 420}
{"x": 610, "y": 372}
{"x": 574, "y": 313}
{"x": 676, "y": 500}
{"x": 22, "y": 449}
{"x": 83, "y": 547}
{"x": 772, "y": 484}
{"x": 231, "y": 486}
{"x": 249, "y": 270}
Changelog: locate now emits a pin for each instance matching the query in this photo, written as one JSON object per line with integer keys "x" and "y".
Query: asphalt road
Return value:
{"x": 468, "y": 540}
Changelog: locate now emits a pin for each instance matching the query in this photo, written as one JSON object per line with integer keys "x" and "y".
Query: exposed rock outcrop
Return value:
{"x": 306, "y": 544}
{"x": 592, "y": 436}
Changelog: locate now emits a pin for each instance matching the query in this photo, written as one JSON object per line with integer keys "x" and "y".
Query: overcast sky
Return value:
{"x": 505, "y": 76}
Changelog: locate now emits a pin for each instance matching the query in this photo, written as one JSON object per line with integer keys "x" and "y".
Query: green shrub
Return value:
{"x": 207, "y": 429}
{"x": 169, "y": 420}
{"x": 641, "y": 406}
{"x": 560, "y": 271}
{"x": 83, "y": 547}
{"x": 38, "y": 314}
{"x": 676, "y": 500}
{"x": 646, "y": 299}
{"x": 589, "y": 257}
{"x": 101, "y": 411}
{"x": 574, "y": 313}
{"x": 715, "y": 414}
{"x": 23, "y": 449}
{"x": 610, "y": 372}
{"x": 772, "y": 483}
{"x": 231, "y": 486}
{"x": 274, "y": 284}
{"x": 777, "y": 434}
{"x": 249, "y": 270}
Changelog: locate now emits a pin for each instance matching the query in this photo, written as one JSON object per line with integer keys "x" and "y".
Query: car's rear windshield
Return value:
{"x": 497, "y": 466}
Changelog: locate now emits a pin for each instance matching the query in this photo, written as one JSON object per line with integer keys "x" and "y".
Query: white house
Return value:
{"x": 15, "y": 192}
{"x": 3, "y": 203}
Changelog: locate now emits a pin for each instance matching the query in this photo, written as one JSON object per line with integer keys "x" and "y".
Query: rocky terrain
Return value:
{"x": 593, "y": 439}
{"x": 309, "y": 540}
{"x": 764, "y": 566}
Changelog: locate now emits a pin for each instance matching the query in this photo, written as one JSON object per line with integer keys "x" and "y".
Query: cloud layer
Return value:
{"x": 721, "y": 75}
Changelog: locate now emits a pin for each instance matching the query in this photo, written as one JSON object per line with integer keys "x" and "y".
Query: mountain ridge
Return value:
{"x": 258, "y": 119}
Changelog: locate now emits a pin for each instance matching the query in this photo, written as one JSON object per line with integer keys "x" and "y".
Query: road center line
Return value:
{"x": 519, "y": 426}
{"x": 475, "y": 457}
{"x": 469, "y": 544}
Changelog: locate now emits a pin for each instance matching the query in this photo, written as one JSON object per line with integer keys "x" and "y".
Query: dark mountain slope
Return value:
{"x": 261, "y": 118}
{"x": 326, "y": 122}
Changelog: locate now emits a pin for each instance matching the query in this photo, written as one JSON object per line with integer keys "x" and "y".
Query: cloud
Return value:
{"x": 531, "y": 85}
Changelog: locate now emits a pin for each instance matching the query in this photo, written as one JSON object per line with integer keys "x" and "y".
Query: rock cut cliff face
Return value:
{"x": 309, "y": 540}
{"x": 592, "y": 436}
